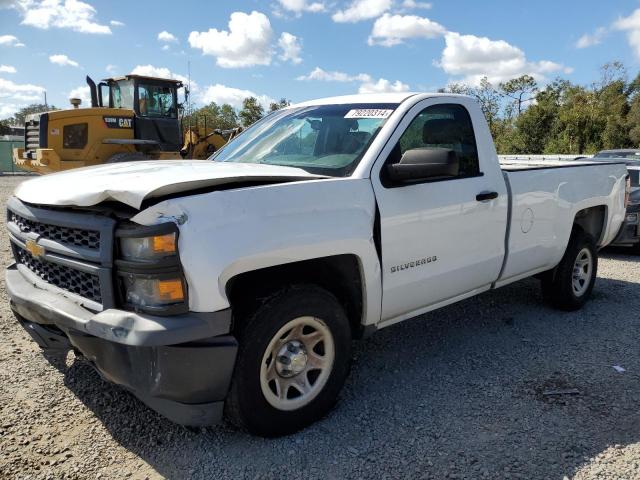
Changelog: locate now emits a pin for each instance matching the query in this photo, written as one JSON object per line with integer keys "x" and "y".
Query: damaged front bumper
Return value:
{"x": 180, "y": 365}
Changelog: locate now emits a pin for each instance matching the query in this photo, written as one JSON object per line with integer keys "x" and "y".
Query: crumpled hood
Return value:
{"x": 133, "y": 182}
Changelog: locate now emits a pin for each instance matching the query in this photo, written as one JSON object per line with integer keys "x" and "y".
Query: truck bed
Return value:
{"x": 544, "y": 198}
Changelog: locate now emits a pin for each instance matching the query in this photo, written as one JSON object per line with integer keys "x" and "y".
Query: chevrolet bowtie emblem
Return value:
{"x": 34, "y": 249}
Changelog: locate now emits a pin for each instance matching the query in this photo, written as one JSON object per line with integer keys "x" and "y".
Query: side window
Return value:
{"x": 156, "y": 101}
{"x": 442, "y": 126}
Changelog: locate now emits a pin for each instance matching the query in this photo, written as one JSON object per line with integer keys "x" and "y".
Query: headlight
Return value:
{"x": 632, "y": 218}
{"x": 151, "y": 291}
{"x": 148, "y": 268}
{"x": 148, "y": 248}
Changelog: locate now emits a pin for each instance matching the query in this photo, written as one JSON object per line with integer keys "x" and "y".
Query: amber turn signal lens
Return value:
{"x": 164, "y": 243}
{"x": 170, "y": 290}
{"x": 145, "y": 249}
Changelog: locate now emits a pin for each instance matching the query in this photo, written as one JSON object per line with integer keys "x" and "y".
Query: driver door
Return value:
{"x": 440, "y": 241}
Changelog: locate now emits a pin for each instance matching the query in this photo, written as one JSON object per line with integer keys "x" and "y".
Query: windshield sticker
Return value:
{"x": 368, "y": 113}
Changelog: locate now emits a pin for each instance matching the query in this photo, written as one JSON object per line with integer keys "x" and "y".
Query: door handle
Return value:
{"x": 486, "y": 196}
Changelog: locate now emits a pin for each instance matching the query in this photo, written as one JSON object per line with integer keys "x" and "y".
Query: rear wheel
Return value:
{"x": 294, "y": 356}
{"x": 569, "y": 285}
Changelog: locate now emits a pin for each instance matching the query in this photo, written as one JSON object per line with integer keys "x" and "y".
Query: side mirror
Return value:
{"x": 424, "y": 163}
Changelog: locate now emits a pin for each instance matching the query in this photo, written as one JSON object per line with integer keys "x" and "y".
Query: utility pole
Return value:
{"x": 45, "y": 100}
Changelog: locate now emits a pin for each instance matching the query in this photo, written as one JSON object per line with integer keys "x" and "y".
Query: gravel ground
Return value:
{"x": 458, "y": 393}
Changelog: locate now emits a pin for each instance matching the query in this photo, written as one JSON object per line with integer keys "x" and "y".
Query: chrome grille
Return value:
{"x": 75, "y": 281}
{"x": 73, "y": 250}
{"x": 71, "y": 236}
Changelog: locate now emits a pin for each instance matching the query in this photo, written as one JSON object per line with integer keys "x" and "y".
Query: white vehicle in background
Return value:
{"x": 237, "y": 284}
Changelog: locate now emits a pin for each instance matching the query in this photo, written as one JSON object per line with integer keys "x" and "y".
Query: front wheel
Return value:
{"x": 569, "y": 285}
{"x": 294, "y": 356}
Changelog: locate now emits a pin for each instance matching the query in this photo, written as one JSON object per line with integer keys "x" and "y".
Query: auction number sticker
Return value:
{"x": 368, "y": 113}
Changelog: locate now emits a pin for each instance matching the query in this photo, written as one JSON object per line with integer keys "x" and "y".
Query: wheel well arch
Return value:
{"x": 592, "y": 221}
{"x": 339, "y": 274}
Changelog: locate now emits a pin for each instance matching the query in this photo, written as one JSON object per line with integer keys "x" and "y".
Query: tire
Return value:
{"x": 264, "y": 399}
{"x": 560, "y": 287}
{"x": 127, "y": 157}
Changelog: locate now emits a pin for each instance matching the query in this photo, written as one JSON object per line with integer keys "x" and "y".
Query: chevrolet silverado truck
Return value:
{"x": 235, "y": 285}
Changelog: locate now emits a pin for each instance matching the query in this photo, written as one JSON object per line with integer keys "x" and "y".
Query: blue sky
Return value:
{"x": 302, "y": 49}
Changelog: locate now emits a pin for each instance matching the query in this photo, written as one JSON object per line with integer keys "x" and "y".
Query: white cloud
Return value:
{"x": 470, "y": 58}
{"x": 300, "y": 6}
{"x": 166, "y": 48}
{"x": 167, "y": 37}
{"x": 233, "y": 96}
{"x": 71, "y": 14}
{"x": 8, "y": 109}
{"x": 291, "y": 48}
{"x": 7, "y": 69}
{"x": 10, "y": 41}
{"x": 14, "y": 96}
{"x": 19, "y": 92}
{"x": 111, "y": 69}
{"x": 361, "y": 10}
{"x": 116, "y": 23}
{"x": 367, "y": 83}
{"x": 411, "y": 4}
{"x": 389, "y": 30}
{"x": 589, "y": 40}
{"x": 83, "y": 93}
{"x": 324, "y": 76}
{"x": 161, "y": 72}
{"x": 382, "y": 86}
{"x": 63, "y": 61}
{"x": 631, "y": 25}
{"x": 246, "y": 43}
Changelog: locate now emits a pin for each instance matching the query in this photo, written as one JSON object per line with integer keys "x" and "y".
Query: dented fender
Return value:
{"x": 228, "y": 232}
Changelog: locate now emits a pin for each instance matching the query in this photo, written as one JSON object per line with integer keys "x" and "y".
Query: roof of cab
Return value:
{"x": 143, "y": 77}
{"x": 396, "y": 97}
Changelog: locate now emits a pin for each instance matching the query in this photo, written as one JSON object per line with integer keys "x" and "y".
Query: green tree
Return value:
{"x": 535, "y": 125}
{"x": 5, "y": 127}
{"x": 214, "y": 116}
{"x": 251, "y": 111}
{"x": 489, "y": 100}
{"x": 19, "y": 117}
{"x": 228, "y": 117}
{"x": 278, "y": 105}
{"x": 613, "y": 94}
{"x": 520, "y": 91}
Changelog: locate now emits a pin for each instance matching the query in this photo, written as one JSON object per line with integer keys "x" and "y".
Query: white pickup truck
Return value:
{"x": 236, "y": 284}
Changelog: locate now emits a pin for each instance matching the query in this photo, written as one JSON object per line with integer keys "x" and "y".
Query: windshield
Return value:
{"x": 324, "y": 139}
{"x": 122, "y": 94}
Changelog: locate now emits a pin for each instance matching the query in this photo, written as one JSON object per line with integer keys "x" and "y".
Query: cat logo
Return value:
{"x": 118, "y": 122}
{"x": 34, "y": 249}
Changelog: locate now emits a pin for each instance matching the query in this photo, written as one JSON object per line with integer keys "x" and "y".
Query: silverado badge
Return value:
{"x": 34, "y": 249}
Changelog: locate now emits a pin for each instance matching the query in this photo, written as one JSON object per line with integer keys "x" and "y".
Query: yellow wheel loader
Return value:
{"x": 131, "y": 118}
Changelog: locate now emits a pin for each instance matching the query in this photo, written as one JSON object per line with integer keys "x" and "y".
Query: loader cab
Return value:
{"x": 155, "y": 103}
